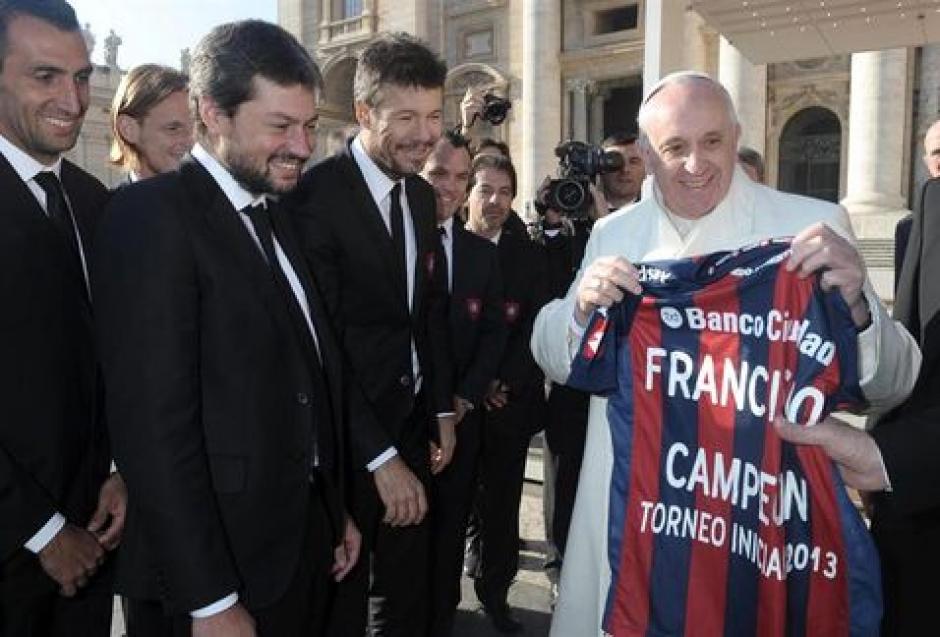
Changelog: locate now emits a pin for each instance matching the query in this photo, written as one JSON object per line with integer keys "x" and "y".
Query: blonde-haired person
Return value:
{"x": 151, "y": 125}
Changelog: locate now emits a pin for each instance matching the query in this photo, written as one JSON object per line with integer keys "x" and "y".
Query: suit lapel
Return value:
{"x": 425, "y": 252}
{"x": 230, "y": 231}
{"x": 25, "y": 212}
{"x": 370, "y": 219}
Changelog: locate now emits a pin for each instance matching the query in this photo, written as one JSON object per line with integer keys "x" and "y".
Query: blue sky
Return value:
{"x": 157, "y": 30}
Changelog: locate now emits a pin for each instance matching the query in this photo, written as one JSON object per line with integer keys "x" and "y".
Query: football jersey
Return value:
{"x": 717, "y": 526}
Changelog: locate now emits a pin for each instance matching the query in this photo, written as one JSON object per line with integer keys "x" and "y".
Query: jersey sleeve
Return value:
{"x": 595, "y": 367}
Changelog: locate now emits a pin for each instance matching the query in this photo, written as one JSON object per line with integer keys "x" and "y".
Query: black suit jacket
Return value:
{"x": 909, "y": 436}
{"x": 902, "y": 234}
{"x": 349, "y": 247}
{"x": 53, "y": 448}
{"x": 478, "y": 331}
{"x": 525, "y": 290}
{"x": 216, "y": 399}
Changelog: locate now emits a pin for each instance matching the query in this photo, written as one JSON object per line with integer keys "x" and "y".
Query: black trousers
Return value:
{"x": 386, "y": 593}
{"x": 30, "y": 604}
{"x": 565, "y": 432}
{"x": 300, "y": 612}
{"x": 452, "y": 493}
{"x": 909, "y": 547}
{"x": 506, "y": 436}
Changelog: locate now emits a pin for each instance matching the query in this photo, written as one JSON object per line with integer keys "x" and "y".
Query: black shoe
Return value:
{"x": 503, "y": 620}
{"x": 498, "y": 612}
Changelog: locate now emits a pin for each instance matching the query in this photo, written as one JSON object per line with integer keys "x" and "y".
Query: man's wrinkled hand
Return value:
{"x": 107, "y": 522}
{"x": 346, "y": 554}
{"x": 71, "y": 558}
{"x": 231, "y": 622}
{"x": 401, "y": 493}
{"x": 855, "y": 452}
{"x": 603, "y": 284}
{"x": 442, "y": 454}
{"x": 820, "y": 249}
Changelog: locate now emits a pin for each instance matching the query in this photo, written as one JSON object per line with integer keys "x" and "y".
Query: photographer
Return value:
{"x": 622, "y": 187}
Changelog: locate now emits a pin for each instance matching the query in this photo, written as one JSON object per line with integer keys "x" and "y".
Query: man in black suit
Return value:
{"x": 60, "y": 511}
{"x": 224, "y": 380}
{"x": 902, "y": 231}
{"x": 367, "y": 224}
{"x": 515, "y": 400}
{"x": 897, "y": 461}
{"x": 478, "y": 336}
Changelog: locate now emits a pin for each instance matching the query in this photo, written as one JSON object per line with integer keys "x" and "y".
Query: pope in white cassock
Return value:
{"x": 699, "y": 202}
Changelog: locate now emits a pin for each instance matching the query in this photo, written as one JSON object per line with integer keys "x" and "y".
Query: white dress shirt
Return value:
{"x": 447, "y": 240}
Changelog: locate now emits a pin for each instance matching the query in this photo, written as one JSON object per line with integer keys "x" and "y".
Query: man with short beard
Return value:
{"x": 224, "y": 378}
{"x": 367, "y": 224}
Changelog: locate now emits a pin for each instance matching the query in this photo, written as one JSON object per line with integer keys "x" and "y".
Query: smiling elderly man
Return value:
{"x": 701, "y": 202}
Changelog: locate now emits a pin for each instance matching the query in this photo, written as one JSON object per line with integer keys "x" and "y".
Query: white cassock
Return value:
{"x": 889, "y": 358}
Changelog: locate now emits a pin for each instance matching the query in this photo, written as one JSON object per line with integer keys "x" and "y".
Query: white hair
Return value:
{"x": 681, "y": 78}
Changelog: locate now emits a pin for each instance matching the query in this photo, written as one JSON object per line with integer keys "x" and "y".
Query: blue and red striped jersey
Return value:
{"x": 717, "y": 526}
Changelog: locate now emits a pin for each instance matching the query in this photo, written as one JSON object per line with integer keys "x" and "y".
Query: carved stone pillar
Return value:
{"x": 541, "y": 99}
{"x": 662, "y": 55}
{"x": 747, "y": 85}
{"x": 880, "y": 98}
{"x": 580, "y": 90}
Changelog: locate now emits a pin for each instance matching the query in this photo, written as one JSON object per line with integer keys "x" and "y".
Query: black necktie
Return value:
{"x": 58, "y": 210}
{"x": 260, "y": 218}
{"x": 397, "y": 219}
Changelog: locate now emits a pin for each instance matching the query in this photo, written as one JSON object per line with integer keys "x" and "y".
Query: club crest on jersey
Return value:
{"x": 592, "y": 343}
{"x": 511, "y": 311}
{"x": 474, "y": 306}
{"x": 429, "y": 263}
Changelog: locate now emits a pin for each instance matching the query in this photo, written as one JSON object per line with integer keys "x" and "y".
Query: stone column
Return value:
{"x": 747, "y": 84}
{"x": 662, "y": 53}
{"x": 541, "y": 93}
{"x": 579, "y": 88}
{"x": 596, "y": 122}
{"x": 879, "y": 107}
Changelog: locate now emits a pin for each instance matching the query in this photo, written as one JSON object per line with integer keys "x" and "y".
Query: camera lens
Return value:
{"x": 570, "y": 195}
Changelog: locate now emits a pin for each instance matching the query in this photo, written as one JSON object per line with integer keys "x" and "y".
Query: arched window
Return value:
{"x": 810, "y": 154}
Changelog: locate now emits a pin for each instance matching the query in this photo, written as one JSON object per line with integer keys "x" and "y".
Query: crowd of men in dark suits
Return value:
{"x": 303, "y": 382}
{"x": 306, "y": 381}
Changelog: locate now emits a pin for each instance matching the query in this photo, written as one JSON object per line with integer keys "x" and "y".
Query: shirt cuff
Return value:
{"x": 49, "y": 530}
{"x": 214, "y": 609}
{"x": 884, "y": 472}
{"x": 868, "y": 343}
{"x": 382, "y": 458}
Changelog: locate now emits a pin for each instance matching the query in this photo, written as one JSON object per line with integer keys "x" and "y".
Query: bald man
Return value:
{"x": 902, "y": 231}
{"x": 702, "y": 202}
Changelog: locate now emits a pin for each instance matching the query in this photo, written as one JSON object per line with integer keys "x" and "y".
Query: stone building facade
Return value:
{"x": 847, "y": 128}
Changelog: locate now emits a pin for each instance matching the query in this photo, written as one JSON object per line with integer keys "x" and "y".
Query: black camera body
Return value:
{"x": 495, "y": 109}
{"x": 578, "y": 166}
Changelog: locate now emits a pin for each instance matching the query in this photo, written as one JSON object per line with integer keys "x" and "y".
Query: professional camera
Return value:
{"x": 578, "y": 166}
{"x": 495, "y": 109}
